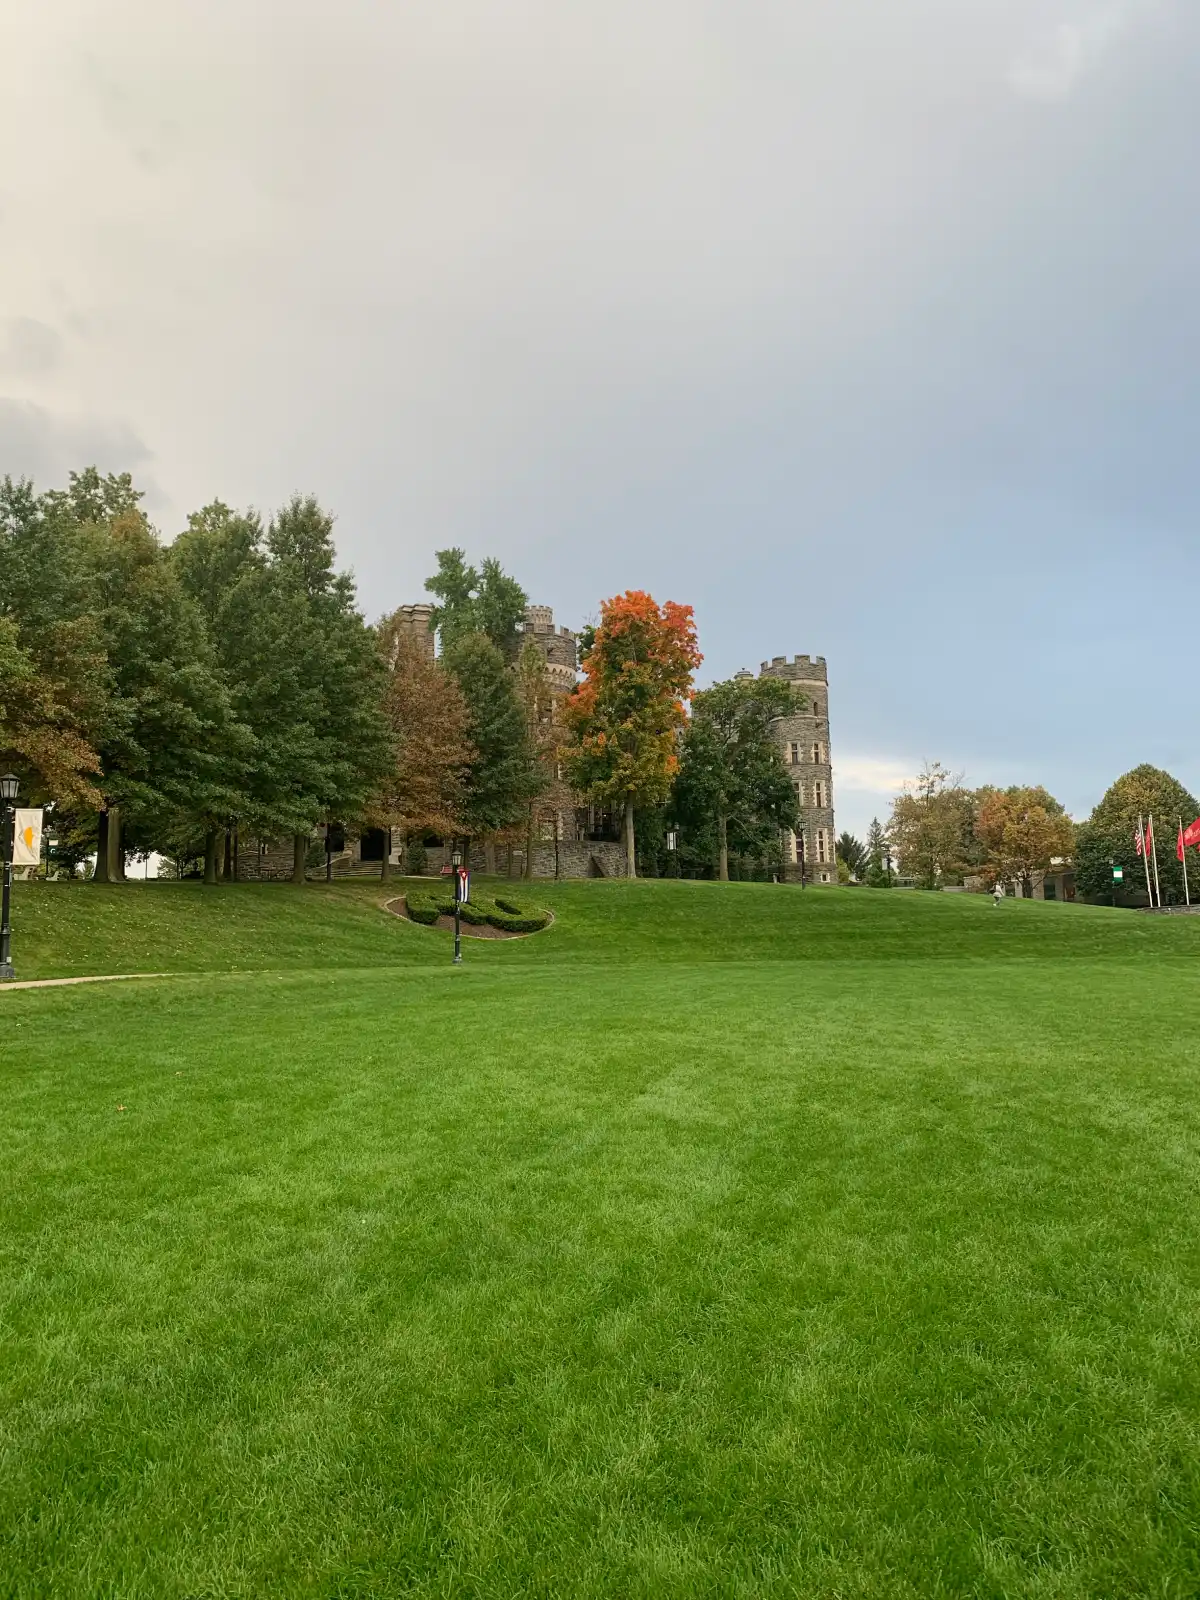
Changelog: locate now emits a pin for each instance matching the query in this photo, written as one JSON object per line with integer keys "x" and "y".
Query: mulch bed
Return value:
{"x": 470, "y": 930}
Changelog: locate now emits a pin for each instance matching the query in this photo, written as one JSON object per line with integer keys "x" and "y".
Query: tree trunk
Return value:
{"x": 116, "y": 855}
{"x": 210, "y": 856}
{"x": 722, "y": 848}
{"x": 385, "y": 868}
{"x": 101, "y": 874}
{"x": 299, "y": 855}
{"x": 630, "y": 841}
{"x": 227, "y": 869}
{"x": 529, "y": 832}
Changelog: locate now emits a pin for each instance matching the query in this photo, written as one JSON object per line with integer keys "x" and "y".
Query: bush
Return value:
{"x": 515, "y": 916}
{"x": 415, "y": 859}
{"x": 510, "y": 916}
{"x": 423, "y": 908}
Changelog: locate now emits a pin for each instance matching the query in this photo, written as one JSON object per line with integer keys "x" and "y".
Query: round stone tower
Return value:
{"x": 804, "y": 741}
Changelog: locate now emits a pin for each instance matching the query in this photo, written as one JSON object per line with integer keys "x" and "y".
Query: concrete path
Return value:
{"x": 57, "y": 983}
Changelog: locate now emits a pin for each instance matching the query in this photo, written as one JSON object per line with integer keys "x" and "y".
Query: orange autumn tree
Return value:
{"x": 625, "y": 716}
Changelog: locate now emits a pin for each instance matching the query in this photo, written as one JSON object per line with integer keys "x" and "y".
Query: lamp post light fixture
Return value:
{"x": 456, "y": 862}
{"x": 10, "y": 788}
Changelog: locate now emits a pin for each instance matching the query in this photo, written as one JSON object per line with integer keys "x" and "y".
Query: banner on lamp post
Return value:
{"x": 27, "y": 838}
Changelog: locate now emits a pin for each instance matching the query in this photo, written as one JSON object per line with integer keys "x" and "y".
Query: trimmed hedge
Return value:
{"x": 517, "y": 916}
{"x": 422, "y": 908}
{"x": 510, "y": 916}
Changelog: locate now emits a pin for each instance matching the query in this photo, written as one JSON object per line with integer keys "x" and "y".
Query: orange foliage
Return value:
{"x": 626, "y": 714}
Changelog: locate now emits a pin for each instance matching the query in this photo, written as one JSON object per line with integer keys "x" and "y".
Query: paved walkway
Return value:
{"x": 57, "y": 983}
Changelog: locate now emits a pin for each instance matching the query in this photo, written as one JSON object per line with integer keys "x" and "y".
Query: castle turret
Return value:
{"x": 559, "y": 646}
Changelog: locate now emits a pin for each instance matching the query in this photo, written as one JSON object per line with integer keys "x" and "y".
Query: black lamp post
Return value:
{"x": 456, "y": 863}
{"x": 10, "y": 787}
{"x": 887, "y": 856}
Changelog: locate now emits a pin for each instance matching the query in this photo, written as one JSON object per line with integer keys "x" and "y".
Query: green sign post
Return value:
{"x": 1118, "y": 874}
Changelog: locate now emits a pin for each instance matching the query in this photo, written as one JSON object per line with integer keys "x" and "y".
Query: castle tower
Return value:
{"x": 558, "y": 645}
{"x": 804, "y": 741}
{"x": 417, "y": 622}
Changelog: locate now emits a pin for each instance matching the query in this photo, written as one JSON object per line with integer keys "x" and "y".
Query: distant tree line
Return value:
{"x": 172, "y": 697}
{"x": 940, "y": 833}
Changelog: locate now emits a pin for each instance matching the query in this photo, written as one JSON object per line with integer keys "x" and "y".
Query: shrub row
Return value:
{"x": 513, "y": 916}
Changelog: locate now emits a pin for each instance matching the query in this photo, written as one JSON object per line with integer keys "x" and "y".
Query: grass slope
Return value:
{"x": 67, "y": 930}
{"x": 845, "y": 1249}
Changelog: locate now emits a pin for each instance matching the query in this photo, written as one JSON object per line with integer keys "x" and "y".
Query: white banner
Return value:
{"x": 27, "y": 844}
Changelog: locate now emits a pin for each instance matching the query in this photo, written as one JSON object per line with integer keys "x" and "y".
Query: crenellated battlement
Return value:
{"x": 810, "y": 669}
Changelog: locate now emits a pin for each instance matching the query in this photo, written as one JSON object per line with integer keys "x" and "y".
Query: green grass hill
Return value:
{"x": 721, "y": 1240}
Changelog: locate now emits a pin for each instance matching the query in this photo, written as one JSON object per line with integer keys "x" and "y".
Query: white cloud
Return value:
{"x": 872, "y": 774}
{"x": 1055, "y": 63}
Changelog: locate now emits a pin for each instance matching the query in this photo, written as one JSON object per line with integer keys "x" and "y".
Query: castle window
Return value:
{"x": 794, "y": 755}
{"x": 816, "y": 754}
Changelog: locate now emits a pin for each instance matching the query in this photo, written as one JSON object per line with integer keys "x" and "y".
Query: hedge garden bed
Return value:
{"x": 502, "y": 916}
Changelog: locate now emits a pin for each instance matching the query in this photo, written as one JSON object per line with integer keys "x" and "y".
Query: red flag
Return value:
{"x": 1191, "y": 834}
{"x": 1179, "y": 843}
{"x": 1149, "y": 835}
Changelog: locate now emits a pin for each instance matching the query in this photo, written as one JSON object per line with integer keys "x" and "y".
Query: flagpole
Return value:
{"x": 1183, "y": 857}
{"x": 1145, "y": 855}
{"x": 1154, "y": 848}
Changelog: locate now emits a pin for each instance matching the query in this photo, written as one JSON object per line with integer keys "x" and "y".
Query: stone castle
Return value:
{"x": 586, "y": 842}
{"x": 803, "y": 741}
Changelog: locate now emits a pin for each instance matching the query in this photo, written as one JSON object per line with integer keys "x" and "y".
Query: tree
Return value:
{"x": 428, "y": 721}
{"x": 54, "y": 679}
{"x": 302, "y": 668}
{"x": 931, "y": 826}
{"x": 331, "y": 672}
{"x": 732, "y": 774}
{"x": 853, "y": 852}
{"x": 1107, "y": 838}
{"x": 501, "y": 777}
{"x": 626, "y": 715}
{"x": 877, "y": 876}
{"x": 1022, "y": 830}
{"x": 173, "y": 751}
{"x": 484, "y": 600}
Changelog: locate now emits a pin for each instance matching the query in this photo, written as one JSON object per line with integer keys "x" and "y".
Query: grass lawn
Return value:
{"x": 721, "y": 1240}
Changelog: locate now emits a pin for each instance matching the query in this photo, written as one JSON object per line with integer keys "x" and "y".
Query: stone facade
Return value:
{"x": 417, "y": 622}
{"x": 804, "y": 741}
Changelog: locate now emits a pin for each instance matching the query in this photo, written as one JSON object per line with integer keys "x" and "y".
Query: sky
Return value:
{"x": 870, "y": 328}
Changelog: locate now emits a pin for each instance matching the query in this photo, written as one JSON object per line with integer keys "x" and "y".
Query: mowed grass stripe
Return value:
{"x": 794, "y": 1277}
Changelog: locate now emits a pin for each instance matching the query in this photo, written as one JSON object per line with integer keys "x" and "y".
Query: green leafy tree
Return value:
{"x": 477, "y": 600}
{"x": 302, "y": 668}
{"x": 173, "y": 752}
{"x": 854, "y": 853}
{"x": 877, "y": 876}
{"x": 502, "y": 775}
{"x": 1108, "y": 837}
{"x": 932, "y": 827}
{"x": 732, "y": 776}
{"x": 54, "y": 678}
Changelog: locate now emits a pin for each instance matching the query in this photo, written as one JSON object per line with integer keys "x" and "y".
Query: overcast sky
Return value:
{"x": 869, "y": 327}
